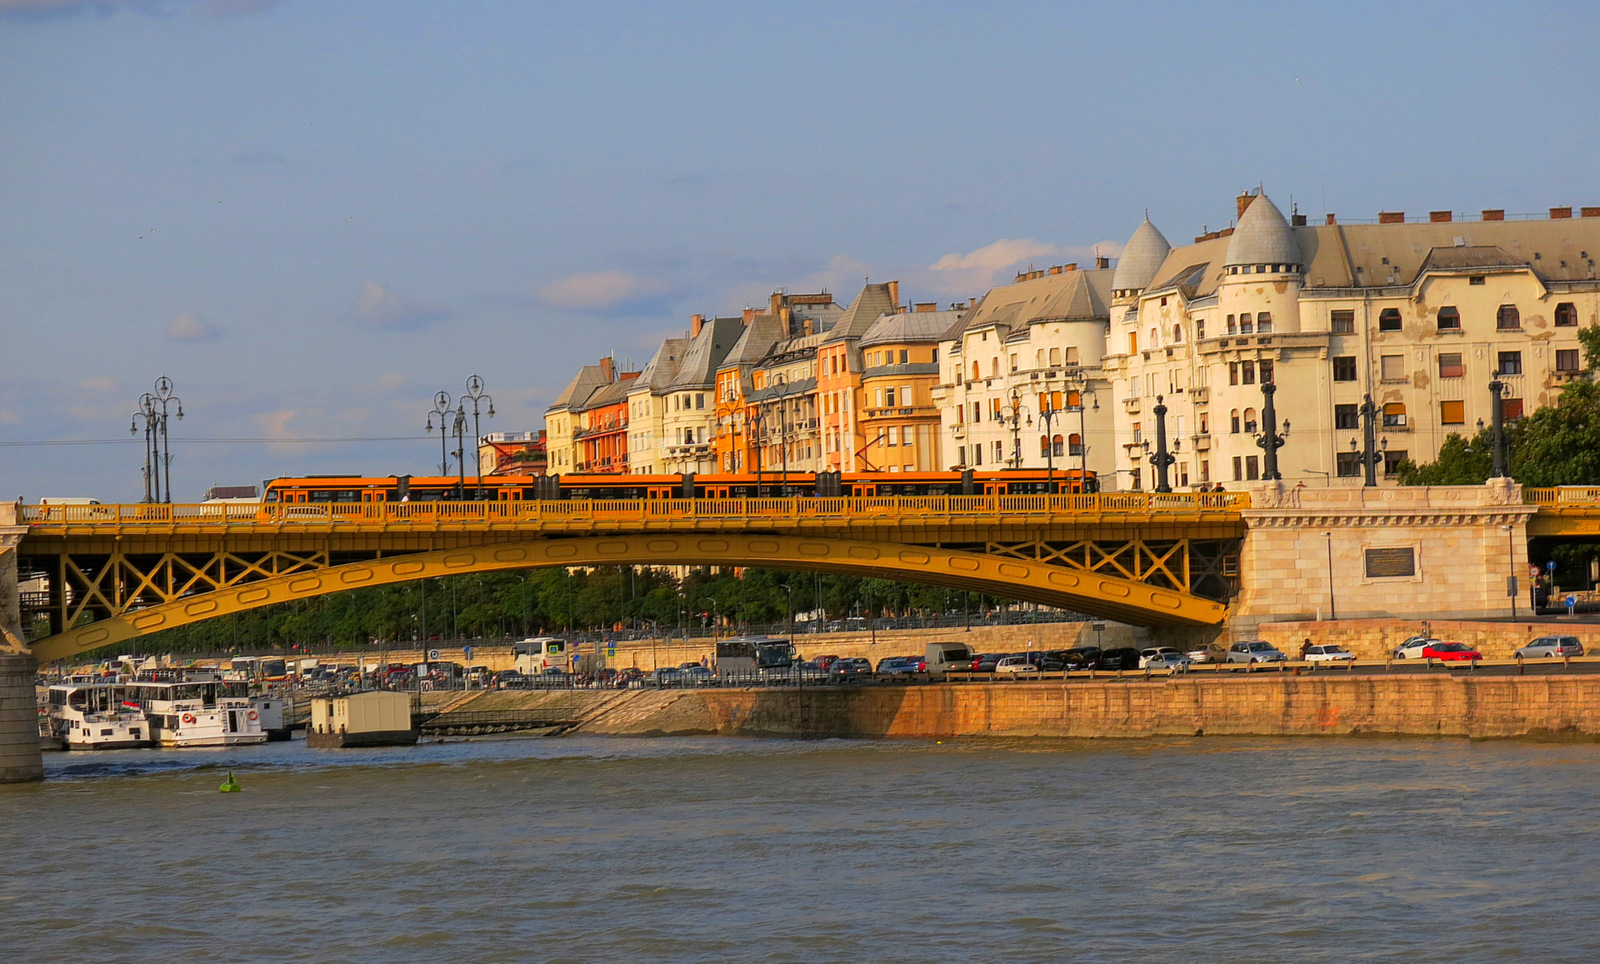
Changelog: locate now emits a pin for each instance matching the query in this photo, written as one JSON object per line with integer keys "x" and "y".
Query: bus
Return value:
{"x": 536, "y": 654}
{"x": 753, "y": 656}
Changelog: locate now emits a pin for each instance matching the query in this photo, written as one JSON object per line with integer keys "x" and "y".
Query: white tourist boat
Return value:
{"x": 199, "y": 711}
{"x": 97, "y": 715}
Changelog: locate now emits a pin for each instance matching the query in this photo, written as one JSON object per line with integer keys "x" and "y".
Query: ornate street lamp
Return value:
{"x": 441, "y": 410}
{"x": 1047, "y": 417}
{"x": 155, "y": 409}
{"x": 478, "y": 396}
{"x": 1014, "y": 415}
{"x": 1497, "y": 409}
{"x": 148, "y": 414}
{"x": 460, "y": 428}
{"x": 1371, "y": 458}
{"x": 1162, "y": 460}
{"x": 1271, "y": 440}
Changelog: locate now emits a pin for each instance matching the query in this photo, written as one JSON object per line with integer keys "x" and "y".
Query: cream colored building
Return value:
{"x": 898, "y": 423}
{"x": 647, "y": 405}
{"x": 1022, "y": 385}
{"x": 689, "y": 407}
{"x": 1420, "y": 315}
{"x": 564, "y": 418}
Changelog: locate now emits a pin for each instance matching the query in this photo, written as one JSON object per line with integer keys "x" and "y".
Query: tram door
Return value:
{"x": 716, "y": 492}
{"x": 866, "y": 490}
{"x": 373, "y": 495}
{"x": 996, "y": 488}
{"x": 661, "y": 492}
{"x": 508, "y": 493}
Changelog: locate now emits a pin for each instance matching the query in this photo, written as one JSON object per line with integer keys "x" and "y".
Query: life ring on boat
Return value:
{"x": 251, "y": 716}
{"x": 188, "y": 717}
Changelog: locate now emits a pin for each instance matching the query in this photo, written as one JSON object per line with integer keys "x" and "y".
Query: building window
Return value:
{"x": 1511, "y": 408}
{"x": 1199, "y": 329}
{"x": 1394, "y": 415}
{"x": 1347, "y": 465}
{"x": 977, "y": 413}
{"x": 975, "y": 375}
{"x": 1245, "y": 327}
{"x": 994, "y": 367}
{"x": 1344, "y": 322}
{"x": 1450, "y": 365}
{"x": 1013, "y": 361}
{"x": 1510, "y": 363}
{"x": 1133, "y": 343}
{"x": 1252, "y": 467}
{"x": 1392, "y": 368}
{"x": 1507, "y": 318}
{"x": 1232, "y": 325}
{"x": 1452, "y": 413}
{"x": 1055, "y": 357}
{"x": 1044, "y": 446}
{"x": 1346, "y": 416}
{"x": 1476, "y": 279}
{"x": 977, "y": 455}
{"x": 1566, "y": 315}
{"x": 999, "y": 452}
{"x": 1391, "y": 463}
{"x": 1389, "y": 319}
{"x": 1250, "y": 420}
{"x": 1344, "y": 368}
{"x": 700, "y": 400}
{"x": 905, "y": 356}
{"x": 961, "y": 456}
{"x": 1238, "y": 469}
{"x": 1233, "y": 422}
{"x": 1566, "y": 359}
{"x": 1449, "y": 319}
{"x": 1247, "y": 372}
{"x": 1057, "y": 446}
{"x": 1263, "y": 323}
{"x": 1265, "y": 365}
{"x": 1233, "y": 373}
{"x": 1074, "y": 444}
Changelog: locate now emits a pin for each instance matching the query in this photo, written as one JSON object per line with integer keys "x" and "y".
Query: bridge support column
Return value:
{"x": 20, "y": 760}
{"x": 1409, "y": 552}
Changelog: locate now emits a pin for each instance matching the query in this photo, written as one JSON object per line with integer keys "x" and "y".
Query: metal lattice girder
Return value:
{"x": 1190, "y": 565}
{"x": 1029, "y": 580}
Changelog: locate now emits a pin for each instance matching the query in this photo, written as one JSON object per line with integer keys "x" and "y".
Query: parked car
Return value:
{"x": 1171, "y": 660}
{"x": 1255, "y": 651}
{"x": 984, "y": 662}
{"x": 510, "y": 679}
{"x": 663, "y": 676}
{"x": 1209, "y": 653}
{"x": 1450, "y": 652}
{"x": 1329, "y": 653}
{"x": 1546, "y": 647}
{"x": 1155, "y": 653}
{"x": 1080, "y": 657}
{"x": 825, "y": 662}
{"x": 898, "y": 665}
{"x": 941, "y": 658}
{"x": 850, "y": 667}
{"x": 1413, "y": 647}
{"x": 1123, "y": 657}
{"x": 696, "y": 675}
{"x": 1014, "y": 666}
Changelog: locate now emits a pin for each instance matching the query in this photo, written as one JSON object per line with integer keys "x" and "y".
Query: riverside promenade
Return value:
{"x": 1550, "y": 704}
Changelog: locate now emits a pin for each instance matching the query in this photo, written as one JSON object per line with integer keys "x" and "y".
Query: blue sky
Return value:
{"x": 314, "y": 214}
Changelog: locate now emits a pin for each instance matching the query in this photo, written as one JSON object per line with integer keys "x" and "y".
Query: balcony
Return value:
{"x": 1201, "y": 443}
{"x": 1131, "y": 404}
{"x": 958, "y": 431}
{"x": 1200, "y": 393}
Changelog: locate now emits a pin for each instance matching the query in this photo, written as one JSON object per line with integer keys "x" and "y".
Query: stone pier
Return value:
{"x": 20, "y": 760}
{"x": 1416, "y": 552}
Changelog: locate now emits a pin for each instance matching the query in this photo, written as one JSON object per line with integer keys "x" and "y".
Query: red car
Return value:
{"x": 1450, "y": 651}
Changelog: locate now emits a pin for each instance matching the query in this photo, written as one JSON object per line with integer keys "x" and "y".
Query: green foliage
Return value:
{"x": 516, "y": 604}
{"x": 1556, "y": 444}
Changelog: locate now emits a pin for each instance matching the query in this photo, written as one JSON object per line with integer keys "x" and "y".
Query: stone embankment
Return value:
{"x": 1544, "y": 706}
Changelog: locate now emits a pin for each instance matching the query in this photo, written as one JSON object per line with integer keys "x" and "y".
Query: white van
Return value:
{"x": 940, "y": 658}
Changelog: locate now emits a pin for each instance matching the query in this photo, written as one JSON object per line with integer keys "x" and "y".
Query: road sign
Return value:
{"x": 466, "y": 651}
{"x": 433, "y": 654}
{"x": 1551, "y": 565}
{"x": 1572, "y": 603}
{"x": 1533, "y": 571}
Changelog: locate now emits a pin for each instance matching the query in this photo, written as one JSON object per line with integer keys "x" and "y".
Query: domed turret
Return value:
{"x": 1263, "y": 241}
{"x": 1140, "y": 260}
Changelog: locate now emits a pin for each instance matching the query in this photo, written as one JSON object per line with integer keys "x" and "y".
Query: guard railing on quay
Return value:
{"x": 640, "y": 510}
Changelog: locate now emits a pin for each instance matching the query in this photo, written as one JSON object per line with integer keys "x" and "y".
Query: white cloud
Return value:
{"x": 378, "y": 307}
{"x": 600, "y": 289}
{"x": 191, "y": 327}
{"x": 980, "y": 269}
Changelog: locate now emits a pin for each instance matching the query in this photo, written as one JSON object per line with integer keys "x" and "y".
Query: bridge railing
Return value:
{"x": 1563, "y": 495}
{"x": 879, "y": 508}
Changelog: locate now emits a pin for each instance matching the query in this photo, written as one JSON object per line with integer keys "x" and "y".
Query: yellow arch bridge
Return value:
{"x": 114, "y": 572}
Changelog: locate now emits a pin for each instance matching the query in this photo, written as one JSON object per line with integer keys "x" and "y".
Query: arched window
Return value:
{"x": 1055, "y": 357}
{"x": 1250, "y": 420}
{"x": 1507, "y": 318}
{"x": 1177, "y": 334}
{"x": 994, "y": 367}
{"x": 1233, "y": 421}
{"x": 1246, "y": 326}
{"x": 975, "y": 375}
{"x": 1155, "y": 339}
{"x": 1263, "y": 322}
{"x": 1075, "y": 444}
{"x": 1044, "y": 446}
{"x": 1394, "y": 415}
{"x": 1039, "y": 359}
{"x": 1449, "y": 318}
{"x": 1389, "y": 319}
{"x": 1566, "y": 315}
{"x": 1056, "y": 446}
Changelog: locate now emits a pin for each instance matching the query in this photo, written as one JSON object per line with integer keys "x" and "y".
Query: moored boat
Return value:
{"x": 97, "y": 715}
{"x": 199, "y": 711}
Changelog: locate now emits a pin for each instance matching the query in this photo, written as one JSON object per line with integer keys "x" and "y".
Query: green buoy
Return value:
{"x": 230, "y": 785}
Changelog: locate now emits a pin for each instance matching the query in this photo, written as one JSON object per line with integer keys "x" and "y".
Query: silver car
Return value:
{"x": 1548, "y": 647}
{"x": 1255, "y": 651}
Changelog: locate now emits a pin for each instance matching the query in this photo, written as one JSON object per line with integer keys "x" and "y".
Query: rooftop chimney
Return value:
{"x": 608, "y": 367}
{"x": 1590, "y": 212}
{"x": 1297, "y": 220}
{"x": 749, "y": 315}
{"x": 926, "y": 306}
{"x": 1101, "y": 261}
{"x": 696, "y": 322}
{"x": 1055, "y": 269}
{"x": 1331, "y": 219}
{"x": 894, "y": 292}
{"x": 1558, "y": 214}
{"x": 1439, "y": 217}
{"x": 1391, "y": 217}
{"x": 1242, "y": 202}
{"x": 1494, "y": 214}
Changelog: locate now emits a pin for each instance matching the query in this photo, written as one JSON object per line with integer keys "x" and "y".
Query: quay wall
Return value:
{"x": 1558, "y": 706}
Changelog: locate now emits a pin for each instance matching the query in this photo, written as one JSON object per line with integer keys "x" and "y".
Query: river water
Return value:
{"x": 591, "y": 848}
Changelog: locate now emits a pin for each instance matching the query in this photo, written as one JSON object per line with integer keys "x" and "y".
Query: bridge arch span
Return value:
{"x": 1102, "y": 595}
